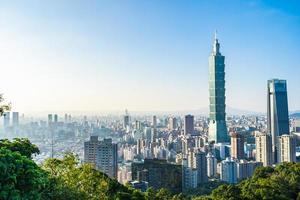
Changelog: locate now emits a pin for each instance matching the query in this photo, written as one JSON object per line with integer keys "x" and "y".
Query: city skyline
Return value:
{"x": 88, "y": 56}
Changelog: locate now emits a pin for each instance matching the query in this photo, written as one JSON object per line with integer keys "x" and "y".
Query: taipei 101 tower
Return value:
{"x": 217, "y": 115}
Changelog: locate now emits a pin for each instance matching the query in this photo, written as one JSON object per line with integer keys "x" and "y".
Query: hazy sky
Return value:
{"x": 144, "y": 54}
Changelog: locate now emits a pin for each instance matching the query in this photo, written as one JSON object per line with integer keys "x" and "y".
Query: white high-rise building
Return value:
{"x": 263, "y": 144}
{"x": 286, "y": 148}
{"x": 228, "y": 171}
{"x": 246, "y": 169}
{"x": 211, "y": 165}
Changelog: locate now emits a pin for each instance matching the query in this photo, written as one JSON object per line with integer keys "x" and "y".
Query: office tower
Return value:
{"x": 50, "y": 119}
{"x": 172, "y": 123}
{"x": 55, "y": 118}
{"x": 286, "y": 148}
{"x": 66, "y": 118}
{"x": 154, "y": 122}
{"x": 263, "y": 143}
{"x": 201, "y": 166}
{"x": 6, "y": 120}
{"x": 90, "y": 150}
{"x": 189, "y": 176}
{"x": 107, "y": 158}
{"x": 237, "y": 145}
{"x": 217, "y": 115}
{"x": 278, "y": 114}
{"x": 126, "y": 120}
{"x": 159, "y": 174}
{"x": 245, "y": 169}
{"x": 197, "y": 160}
{"x": 188, "y": 124}
{"x": 15, "y": 120}
{"x": 154, "y": 129}
{"x": 228, "y": 171}
{"x": 153, "y": 135}
{"x": 211, "y": 165}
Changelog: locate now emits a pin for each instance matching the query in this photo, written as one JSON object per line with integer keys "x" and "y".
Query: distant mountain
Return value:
{"x": 295, "y": 114}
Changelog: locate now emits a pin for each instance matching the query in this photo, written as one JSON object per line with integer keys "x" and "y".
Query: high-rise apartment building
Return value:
{"x": 237, "y": 145}
{"x": 90, "y": 150}
{"x": 263, "y": 143}
{"x": 217, "y": 115}
{"x": 228, "y": 171}
{"x": 188, "y": 124}
{"x": 245, "y": 169}
{"x": 102, "y": 155}
{"x": 211, "y": 165}
{"x": 197, "y": 160}
{"x": 278, "y": 114}
{"x": 286, "y": 148}
{"x": 107, "y": 158}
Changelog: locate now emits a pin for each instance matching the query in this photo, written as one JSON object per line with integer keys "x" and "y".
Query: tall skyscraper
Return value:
{"x": 278, "y": 113}
{"x": 50, "y": 119}
{"x": 154, "y": 129}
{"x": 172, "y": 123}
{"x": 15, "y": 120}
{"x": 263, "y": 143}
{"x": 188, "y": 124}
{"x": 55, "y": 118}
{"x": 217, "y": 115}
{"x": 6, "y": 120}
{"x": 237, "y": 145}
{"x": 126, "y": 120}
{"x": 287, "y": 148}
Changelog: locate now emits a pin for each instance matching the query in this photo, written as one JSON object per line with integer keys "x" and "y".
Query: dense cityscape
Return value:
{"x": 149, "y": 100}
{"x": 178, "y": 153}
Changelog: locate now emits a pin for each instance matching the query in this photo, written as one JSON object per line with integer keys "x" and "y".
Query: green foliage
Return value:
{"x": 204, "y": 189}
{"x": 21, "y": 145}
{"x": 3, "y": 107}
{"x": 280, "y": 183}
{"x": 20, "y": 177}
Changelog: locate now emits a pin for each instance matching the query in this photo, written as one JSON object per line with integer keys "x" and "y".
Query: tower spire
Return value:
{"x": 216, "y": 45}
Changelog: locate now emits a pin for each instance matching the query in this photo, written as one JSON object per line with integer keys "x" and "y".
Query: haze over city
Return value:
{"x": 144, "y": 55}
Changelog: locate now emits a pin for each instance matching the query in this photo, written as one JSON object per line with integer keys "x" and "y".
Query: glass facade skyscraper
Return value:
{"x": 217, "y": 115}
{"x": 278, "y": 113}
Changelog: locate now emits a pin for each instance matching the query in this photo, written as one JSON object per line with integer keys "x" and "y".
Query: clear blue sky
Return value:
{"x": 145, "y": 55}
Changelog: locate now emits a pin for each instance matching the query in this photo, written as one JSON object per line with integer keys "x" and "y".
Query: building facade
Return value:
{"x": 278, "y": 115}
{"x": 237, "y": 145}
{"x": 159, "y": 174}
{"x": 286, "y": 148}
{"x": 188, "y": 124}
{"x": 263, "y": 144}
{"x": 217, "y": 115}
